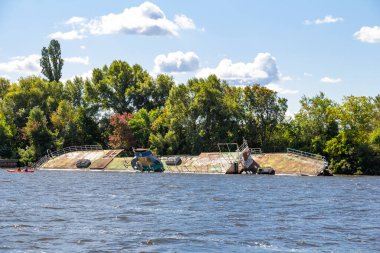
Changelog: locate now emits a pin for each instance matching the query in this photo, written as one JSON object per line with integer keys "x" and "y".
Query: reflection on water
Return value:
{"x": 60, "y": 211}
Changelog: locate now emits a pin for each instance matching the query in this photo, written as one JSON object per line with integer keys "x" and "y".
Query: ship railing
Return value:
{"x": 50, "y": 155}
{"x": 306, "y": 154}
{"x": 229, "y": 151}
{"x": 255, "y": 151}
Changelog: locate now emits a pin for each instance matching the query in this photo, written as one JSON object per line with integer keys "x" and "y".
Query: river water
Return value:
{"x": 69, "y": 211}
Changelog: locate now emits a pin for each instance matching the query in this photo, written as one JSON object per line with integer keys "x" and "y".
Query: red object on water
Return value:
{"x": 21, "y": 171}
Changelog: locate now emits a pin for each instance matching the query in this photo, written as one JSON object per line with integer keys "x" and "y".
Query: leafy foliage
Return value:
{"x": 51, "y": 61}
{"x": 316, "y": 123}
{"x": 122, "y": 136}
{"x": 37, "y": 133}
{"x": 124, "y": 88}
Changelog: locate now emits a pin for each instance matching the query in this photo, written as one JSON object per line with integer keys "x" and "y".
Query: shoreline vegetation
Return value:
{"x": 122, "y": 106}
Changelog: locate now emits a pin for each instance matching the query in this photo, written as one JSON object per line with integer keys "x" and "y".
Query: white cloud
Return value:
{"x": 84, "y": 75}
{"x": 75, "y": 21}
{"x": 22, "y": 64}
{"x": 176, "y": 62}
{"x": 83, "y": 47}
{"x": 280, "y": 90}
{"x": 262, "y": 70}
{"x": 289, "y": 114}
{"x": 79, "y": 60}
{"x": 87, "y": 74}
{"x": 330, "y": 80}
{"x": 145, "y": 19}
{"x": 184, "y": 22}
{"x": 368, "y": 34}
{"x": 72, "y": 35}
{"x": 326, "y": 20}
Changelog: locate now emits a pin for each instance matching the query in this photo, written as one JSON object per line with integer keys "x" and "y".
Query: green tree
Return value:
{"x": 123, "y": 88}
{"x": 377, "y": 110}
{"x": 27, "y": 155}
{"x": 356, "y": 117}
{"x": 74, "y": 91}
{"x": 173, "y": 130}
{"x": 122, "y": 135}
{"x": 196, "y": 117}
{"x": 161, "y": 89}
{"x": 234, "y": 103}
{"x": 37, "y": 133}
{"x": 109, "y": 86}
{"x": 350, "y": 151}
{"x": 210, "y": 112}
{"x": 264, "y": 111}
{"x": 28, "y": 93}
{"x": 140, "y": 124}
{"x": 4, "y": 86}
{"x": 6, "y": 135}
{"x": 64, "y": 121}
{"x": 88, "y": 123}
{"x": 51, "y": 61}
{"x": 316, "y": 122}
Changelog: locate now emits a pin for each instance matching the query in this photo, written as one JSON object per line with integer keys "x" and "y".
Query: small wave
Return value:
{"x": 22, "y": 226}
{"x": 314, "y": 217}
{"x": 44, "y": 239}
{"x": 83, "y": 241}
{"x": 5, "y": 181}
{"x": 217, "y": 199}
{"x": 306, "y": 244}
{"x": 54, "y": 207}
{"x": 57, "y": 220}
{"x": 256, "y": 244}
{"x": 240, "y": 225}
{"x": 123, "y": 217}
{"x": 150, "y": 203}
{"x": 5, "y": 247}
{"x": 171, "y": 241}
{"x": 136, "y": 212}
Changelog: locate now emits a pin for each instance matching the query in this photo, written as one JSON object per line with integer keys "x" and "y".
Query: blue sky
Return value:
{"x": 294, "y": 47}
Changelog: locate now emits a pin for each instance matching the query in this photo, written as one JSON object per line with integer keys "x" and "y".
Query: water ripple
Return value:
{"x": 60, "y": 211}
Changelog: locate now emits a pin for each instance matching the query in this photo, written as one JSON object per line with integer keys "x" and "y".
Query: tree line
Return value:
{"x": 123, "y": 106}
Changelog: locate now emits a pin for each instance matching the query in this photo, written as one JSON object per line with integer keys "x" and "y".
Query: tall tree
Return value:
{"x": 51, "y": 61}
{"x": 350, "y": 152}
{"x": 64, "y": 121}
{"x": 28, "y": 93}
{"x": 122, "y": 136}
{"x": 5, "y": 136}
{"x": 266, "y": 111}
{"x": 173, "y": 130}
{"x": 196, "y": 117}
{"x": 123, "y": 88}
{"x": 37, "y": 133}
{"x": 109, "y": 87}
{"x": 74, "y": 91}
{"x": 140, "y": 124}
{"x": 209, "y": 111}
{"x": 316, "y": 122}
